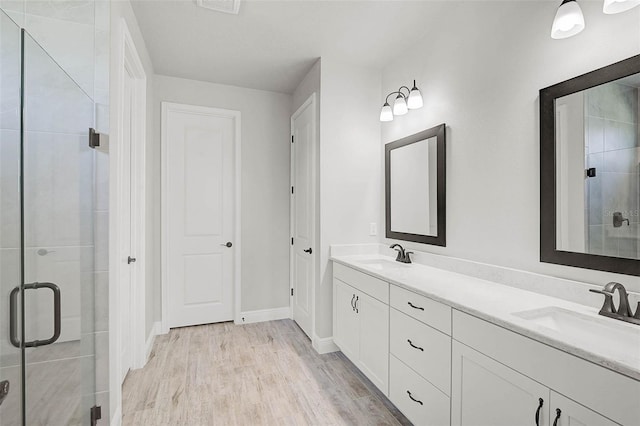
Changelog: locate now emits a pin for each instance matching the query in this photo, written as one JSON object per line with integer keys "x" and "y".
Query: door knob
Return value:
{"x": 308, "y": 250}
{"x": 131, "y": 260}
{"x": 227, "y": 244}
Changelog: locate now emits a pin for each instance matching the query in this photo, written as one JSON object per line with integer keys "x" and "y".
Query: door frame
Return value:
{"x": 237, "y": 235}
{"x": 127, "y": 59}
{"x": 311, "y": 101}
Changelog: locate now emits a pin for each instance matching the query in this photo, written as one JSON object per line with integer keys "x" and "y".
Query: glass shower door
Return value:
{"x": 58, "y": 244}
{"x": 10, "y": 218}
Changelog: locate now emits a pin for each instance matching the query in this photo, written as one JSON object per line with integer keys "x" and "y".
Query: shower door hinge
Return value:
{"x": 591, "y": 172}
{"x": 96, "y": 414}
{"x": 97, "y": 139}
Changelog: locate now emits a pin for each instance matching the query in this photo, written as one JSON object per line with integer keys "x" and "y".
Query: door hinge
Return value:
{"x": 97, "y": 139}
{"x": 96, "y": 414}
{"x": 291, "y": 240}
{"x": 292, "y": 292}
{"x": 292, "y": 189}
{"x": 291, "y": 138}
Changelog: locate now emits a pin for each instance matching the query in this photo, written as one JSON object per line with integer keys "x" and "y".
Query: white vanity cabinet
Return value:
{"x": 443, "y": 367}
{"x": 487, "y": 393}
{"x": 572, "y": 413}
{"x": 420, "y": 365}
{"x": 361, "y": 322}
{"x": 498, "y": 378}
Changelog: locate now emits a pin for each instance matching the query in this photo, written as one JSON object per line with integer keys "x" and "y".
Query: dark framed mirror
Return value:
{"x": 415, "y": 187}
{"x": 590, "y": 170}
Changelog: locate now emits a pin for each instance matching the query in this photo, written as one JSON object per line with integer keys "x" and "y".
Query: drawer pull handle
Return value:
{"x": 555, "y": 421}
{"x": 414, "y": 346}
{"x": 541, "y": 401}
{"x": 416, "y": 400}
{"x": 353, "y": 307}
{"x": 414, "y": 306}
{"x": 356, "y": 304}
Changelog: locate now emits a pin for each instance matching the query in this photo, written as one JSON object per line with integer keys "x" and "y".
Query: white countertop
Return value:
{"x": 614, "y": 344}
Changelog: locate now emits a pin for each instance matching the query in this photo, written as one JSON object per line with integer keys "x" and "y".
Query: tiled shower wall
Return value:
{"x": 75, "y": 33}
{"x": 612, "y": 133}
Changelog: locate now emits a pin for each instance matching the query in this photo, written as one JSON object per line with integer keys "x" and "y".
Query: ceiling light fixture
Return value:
{"x": 403, "y": 102}
{"x": 569, "y": 20}
{"x": 618, "y": 6}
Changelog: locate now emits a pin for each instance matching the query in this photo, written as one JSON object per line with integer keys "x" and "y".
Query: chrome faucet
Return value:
{"x": 403, "y": 256}
{"x": 623, "y": 312}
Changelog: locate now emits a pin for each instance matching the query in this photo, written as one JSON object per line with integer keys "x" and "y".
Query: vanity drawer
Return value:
{"x": 430, "y": 312}
{"x": 405, "y": 384}
{"x": 366, "y": 283}
{"x": 424, "y": 349}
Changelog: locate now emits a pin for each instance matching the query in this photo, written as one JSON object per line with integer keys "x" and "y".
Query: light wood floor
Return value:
{"x": 255, "y": 374}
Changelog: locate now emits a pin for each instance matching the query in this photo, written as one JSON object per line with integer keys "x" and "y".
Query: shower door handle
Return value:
{"x": 56, "y": 314}
{"x": 13, "y": 317}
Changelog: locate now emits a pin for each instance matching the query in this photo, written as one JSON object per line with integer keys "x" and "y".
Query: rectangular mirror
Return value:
{"x": 590, "y": 170}
{"x": 415, "y": 198}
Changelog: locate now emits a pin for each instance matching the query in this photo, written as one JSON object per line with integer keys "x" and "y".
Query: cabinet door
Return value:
{"x": 374, "y": 340}
{"x": 487, "y": 393}
{"x": 574, "y": 414}
{"x": 346, "y": 328}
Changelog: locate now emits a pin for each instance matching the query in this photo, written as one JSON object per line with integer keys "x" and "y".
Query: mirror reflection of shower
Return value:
{"x": 599, "y": 169}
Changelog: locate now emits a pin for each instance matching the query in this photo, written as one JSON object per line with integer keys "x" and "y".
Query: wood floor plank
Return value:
{"x": 255, "y": 374}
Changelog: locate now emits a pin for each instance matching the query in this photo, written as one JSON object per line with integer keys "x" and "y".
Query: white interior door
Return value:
{"x": 125, "y": 227}
{"x": 200, "y": 184}
{"x": 303, "y": 214}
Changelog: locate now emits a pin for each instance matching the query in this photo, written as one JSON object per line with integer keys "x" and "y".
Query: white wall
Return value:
{"x": 481, "y": 75}
{"x": 350, "y": 173}
{"x": 309, "y": 84}
{"x": 265, "y": 182}
{"x": 121, "y": 10}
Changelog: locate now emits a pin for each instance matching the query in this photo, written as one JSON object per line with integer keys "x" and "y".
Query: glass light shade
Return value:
{"x": 415, "y": 99}
{"x": 618, "y": 6}
{"x": 386, "y": 114}
{"x": 400, "y": 106}
{"x": 569, "y": 20}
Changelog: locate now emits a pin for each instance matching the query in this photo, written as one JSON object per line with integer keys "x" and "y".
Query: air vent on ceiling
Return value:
{"x": 226, "y": 6}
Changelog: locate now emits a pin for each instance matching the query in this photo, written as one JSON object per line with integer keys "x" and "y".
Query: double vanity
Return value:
{"x": 451, "y": 349}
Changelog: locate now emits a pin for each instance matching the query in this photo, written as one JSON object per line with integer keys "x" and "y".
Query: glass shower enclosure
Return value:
{"x": 47, "y": 348}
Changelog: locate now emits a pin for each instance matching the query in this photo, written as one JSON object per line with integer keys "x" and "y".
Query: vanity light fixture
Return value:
{"x": 403, "y": 102}
{"x": 569, "y": 20}
{"x": 618, "y": 6}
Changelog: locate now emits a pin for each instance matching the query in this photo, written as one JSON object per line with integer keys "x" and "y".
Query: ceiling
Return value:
{"x": 271, "y": 45}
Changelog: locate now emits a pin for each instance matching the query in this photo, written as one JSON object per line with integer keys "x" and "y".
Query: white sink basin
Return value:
{"x": 587, "y": 329}
{"x": 381, "y": 264}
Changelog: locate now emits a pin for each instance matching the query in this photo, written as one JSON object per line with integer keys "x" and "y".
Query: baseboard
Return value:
{"x": 155, "y": 330}
{"x": 264, "y": 315}
{"x": 324, "y": 345}
{"x": 116, "y": 419}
